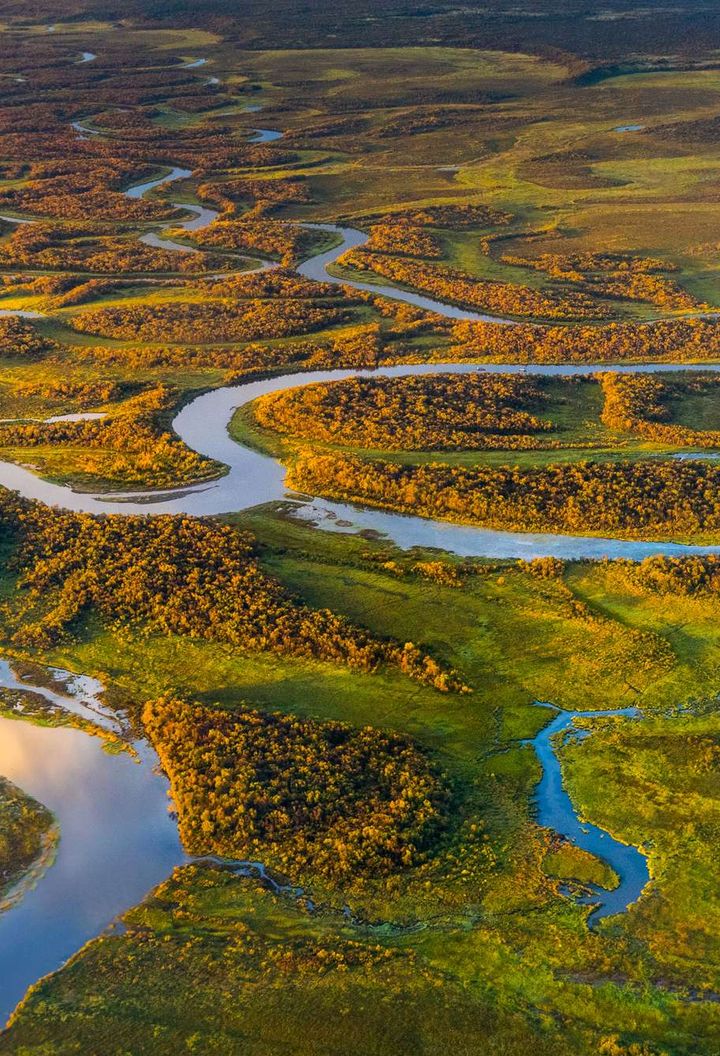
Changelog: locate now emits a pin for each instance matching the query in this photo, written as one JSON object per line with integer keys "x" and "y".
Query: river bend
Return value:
{"x": 254, "y": 478}
{"x": 555, "y": 810}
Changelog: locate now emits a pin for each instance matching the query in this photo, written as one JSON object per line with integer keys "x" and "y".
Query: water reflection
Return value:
{"x": 117, "y": 842}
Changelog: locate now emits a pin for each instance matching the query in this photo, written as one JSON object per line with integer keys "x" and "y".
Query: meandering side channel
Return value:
{"x": 317, "y": 268}
{"x": 556, "y": 811}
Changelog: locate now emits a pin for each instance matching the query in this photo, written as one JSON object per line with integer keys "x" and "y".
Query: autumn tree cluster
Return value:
{"x": 180, "y": 576}
{"x": 20, "y": 340}
{"x": 41, "y": 246}
{"x": 131, "y": 448}
{"x": 617, "y": 276}
{"x": 432, "y": 412}
{"x": 353, "y": 346}
{"x": 683, "y": 340}
{"x": 82, "y": 191}
{"x": 698, "y": 575}
{"x": 631, "y": 498}
{"x": 638, "y": 404}
{"x": 303, "y": 795}
{"x": 456, "y": 287}
{"x": 455, "y": 216}
{"x": 194, "y": 321}
{"x": 264, "y": 236}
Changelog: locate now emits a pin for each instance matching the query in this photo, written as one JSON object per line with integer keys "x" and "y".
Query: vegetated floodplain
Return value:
{"x": 358, "y": 720}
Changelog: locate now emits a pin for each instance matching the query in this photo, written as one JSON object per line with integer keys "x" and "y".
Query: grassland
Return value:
{"x": 493, "y": 943}
{"x": 572, "y": 406}
{"x": 574, "y": 180}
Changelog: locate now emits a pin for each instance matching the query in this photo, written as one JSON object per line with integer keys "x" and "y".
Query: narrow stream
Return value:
{"x": 266, "y": 135}
{"x": 556, "y": 811}
{"x": 201, "y": 216}
{"x": 84, "y": 131}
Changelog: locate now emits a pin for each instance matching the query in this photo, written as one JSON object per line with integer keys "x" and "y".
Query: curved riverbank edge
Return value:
{"x": 555, "y": 811}
{"x": 94, "y": 879}
{"x": 17, "y": 891}
{"x": 316, "y": 268}
{"x": 117, "y": 839}
{"x": 254, "y": 478}
{"x": 118, "y": 836}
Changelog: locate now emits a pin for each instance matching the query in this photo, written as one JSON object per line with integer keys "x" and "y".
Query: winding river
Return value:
{"x": 254, "y": 478}
{"x": 317, "y": 268}
{"x": 555, "y": 810}
{"x": 117, "y": 839}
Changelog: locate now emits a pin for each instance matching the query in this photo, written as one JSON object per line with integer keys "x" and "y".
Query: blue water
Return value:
{"x": 555, "y": 810}
{"x": 117, "y": 839}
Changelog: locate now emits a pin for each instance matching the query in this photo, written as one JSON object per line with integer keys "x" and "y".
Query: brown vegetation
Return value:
{"x": 449, "y": 216}
{"x": 437, "y": 412}
{"x": 175, "y": 575}
{"x": 43, "y": 246}
{"x": 634, "y": 403}
{"x": 265, "y": 237}
{"x": 20, "y": 340}
{"x": 684, "y": 340}
{"x": 301, "y": 794}
{"x": 630, "y": 498}
{"x": 402, "y": 239}
{"x": 455, "y": 287}
{"x": 196, "y": 321}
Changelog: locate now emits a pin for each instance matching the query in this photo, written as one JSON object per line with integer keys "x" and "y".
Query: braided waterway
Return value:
{"x": 117, "y": 838}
